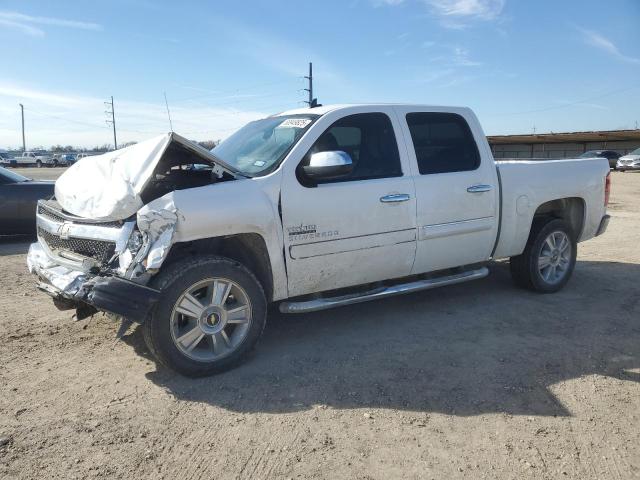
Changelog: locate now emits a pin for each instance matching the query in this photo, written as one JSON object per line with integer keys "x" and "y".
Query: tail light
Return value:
{"x": 607, "y": 189}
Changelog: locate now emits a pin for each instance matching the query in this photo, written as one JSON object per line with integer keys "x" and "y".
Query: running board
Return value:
{"x": 382, "y": 292}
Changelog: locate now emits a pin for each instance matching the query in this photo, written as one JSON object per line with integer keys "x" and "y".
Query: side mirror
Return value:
{"x": 328, "y": 165}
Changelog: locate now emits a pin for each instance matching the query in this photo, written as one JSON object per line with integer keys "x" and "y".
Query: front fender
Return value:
{"x": 223, "y": 209}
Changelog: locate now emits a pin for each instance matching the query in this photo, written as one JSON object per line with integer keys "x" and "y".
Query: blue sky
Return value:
{"x": 549, "y": 65}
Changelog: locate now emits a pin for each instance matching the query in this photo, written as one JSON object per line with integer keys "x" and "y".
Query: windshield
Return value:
{"x": 635, "y": 152}
{"x": 9, "y": 177}
{"x": 590, "y": 154}
{"x": 259, "y": 147}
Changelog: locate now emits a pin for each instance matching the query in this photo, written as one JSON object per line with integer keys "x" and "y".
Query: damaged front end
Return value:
{"x": 113, "y": 225}
{"x": 93, "y": 266}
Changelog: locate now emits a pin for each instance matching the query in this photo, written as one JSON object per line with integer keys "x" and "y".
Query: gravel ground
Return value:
{"x": 479, "y": 380}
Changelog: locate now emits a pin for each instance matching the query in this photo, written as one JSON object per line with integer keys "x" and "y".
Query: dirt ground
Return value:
{"x": 479, "y": 380}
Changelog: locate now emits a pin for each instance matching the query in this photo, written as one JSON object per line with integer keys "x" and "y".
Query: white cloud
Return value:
{"x": 602, "y": 43}
{"x": 22, "y": 27}
{"x": 467, "y": 9}
{"x": 457, "y": 14}
{"x": 58, "y": 118}
{"x": 26, "y": 23}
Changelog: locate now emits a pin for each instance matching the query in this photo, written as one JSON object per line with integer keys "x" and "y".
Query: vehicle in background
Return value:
{"x": 5, "y": 161}
{"x": 18, "y": 200}
{"x": 313, "y": 208}
{"x": 80, "y": 156}
{"x": 70, "y": 158}
{"x": 610, "y": 155}
{"x": 38, "y": 159}
{"x": 64, "y": 159}
{"x": 630, "y": 161}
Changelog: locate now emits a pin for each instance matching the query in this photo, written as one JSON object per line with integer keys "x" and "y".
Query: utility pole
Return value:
{"x": 112, "y": 112}
{"x": 310, "y": 89}
{"x": 24, "y": 144}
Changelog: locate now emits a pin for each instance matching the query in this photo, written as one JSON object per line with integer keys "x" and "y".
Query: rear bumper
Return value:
{"x": 604, "y": 223}
{"x": 88, "y": 293}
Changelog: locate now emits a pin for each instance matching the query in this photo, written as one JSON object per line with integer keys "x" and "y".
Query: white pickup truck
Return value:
{"x": 311, "y": 208}
{"x": 37, "y": 159}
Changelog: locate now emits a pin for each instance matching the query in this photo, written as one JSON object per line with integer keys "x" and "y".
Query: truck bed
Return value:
{"x": 525, "y": 185}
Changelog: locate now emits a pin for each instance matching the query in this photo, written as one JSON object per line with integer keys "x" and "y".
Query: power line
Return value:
{"x": 565, "y": 105}
{"x": 251, "y": 98}
{"x": 243, "y": 89}
{"x": 77, "y": 122}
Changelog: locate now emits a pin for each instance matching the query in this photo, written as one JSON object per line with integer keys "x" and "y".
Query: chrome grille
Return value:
{"x": 97, "y": 249}
{"x": 52, "y": 215}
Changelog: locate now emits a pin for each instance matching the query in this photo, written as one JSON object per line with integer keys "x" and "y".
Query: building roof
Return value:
{"x": 567, "y": 137}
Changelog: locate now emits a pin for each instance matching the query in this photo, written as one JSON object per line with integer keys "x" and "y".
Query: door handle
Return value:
{"x": 479, "y": 188}
{"x": 395, "y": 198}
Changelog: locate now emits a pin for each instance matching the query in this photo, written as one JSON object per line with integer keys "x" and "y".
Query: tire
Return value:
{"x": 38, "y": 164}
{"x": 172, "y": 336}
{"x": 527, "y": 270}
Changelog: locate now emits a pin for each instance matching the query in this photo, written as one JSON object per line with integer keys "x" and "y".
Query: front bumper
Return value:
{"x": 628, "y": 166}
{"x": 87, "y": 292}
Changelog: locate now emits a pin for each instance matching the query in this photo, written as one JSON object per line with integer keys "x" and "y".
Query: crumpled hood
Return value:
{"x": 108, "y": 187}
{"x": 630, "y": 157}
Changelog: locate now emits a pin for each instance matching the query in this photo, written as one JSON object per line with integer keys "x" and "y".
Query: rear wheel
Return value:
{"x": 548, "y": 260}
{"x": 210, "y": 316}
{"x": 38, "y": 164}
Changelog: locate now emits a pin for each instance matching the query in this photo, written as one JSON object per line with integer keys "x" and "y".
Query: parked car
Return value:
{"x": 70, "y": 158}
{"x": 630, "y": 161}
{"x": 38, "y": 159}
{"x": 5, "y": 161}
{"x": 64, "y": 159}
{"x": 18, "y": 197}
{"x": 80, "y": 156}
{"x": 297, "y": 207}
{"x": 610, "y": 155}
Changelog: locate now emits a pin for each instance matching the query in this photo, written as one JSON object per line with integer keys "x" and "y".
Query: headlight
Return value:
{"x": 135, "y": 241}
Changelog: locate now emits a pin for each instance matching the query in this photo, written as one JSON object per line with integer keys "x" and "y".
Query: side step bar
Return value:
{"x": 382, "y": 292}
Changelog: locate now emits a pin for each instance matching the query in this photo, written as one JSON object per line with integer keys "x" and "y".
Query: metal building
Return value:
{"x": 563, "y": 145}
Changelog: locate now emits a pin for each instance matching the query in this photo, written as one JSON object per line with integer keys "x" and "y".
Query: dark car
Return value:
{"x": 18, "y": 198}
{"x": 608, "y": 154}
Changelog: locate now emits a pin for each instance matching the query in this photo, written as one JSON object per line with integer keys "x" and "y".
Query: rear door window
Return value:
{"x": 443, "y": 143}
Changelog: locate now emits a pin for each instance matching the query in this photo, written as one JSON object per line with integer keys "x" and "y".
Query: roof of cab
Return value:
{"x": 321, "y": 110}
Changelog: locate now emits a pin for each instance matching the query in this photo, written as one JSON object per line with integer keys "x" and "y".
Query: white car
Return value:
{"x": 630, "y": 161}
{"x": 311, "y": 208}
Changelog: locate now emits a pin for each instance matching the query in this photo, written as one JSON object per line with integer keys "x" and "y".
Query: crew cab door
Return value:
{"x": 456, "y": 186}
{"x": 356, "y": 229}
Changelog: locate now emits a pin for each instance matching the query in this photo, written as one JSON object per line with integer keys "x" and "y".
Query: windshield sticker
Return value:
{"x": 294, "y": 123}
{"x": 259, "y": 163}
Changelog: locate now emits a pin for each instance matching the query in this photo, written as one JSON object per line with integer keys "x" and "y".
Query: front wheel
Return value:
{"x": 548, "y": 260}
{"x": 211, "y": 314}
{"x": 38, "y": 164}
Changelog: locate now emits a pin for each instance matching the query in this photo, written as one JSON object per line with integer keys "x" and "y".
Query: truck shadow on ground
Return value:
{"x": 482, "y": 347}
